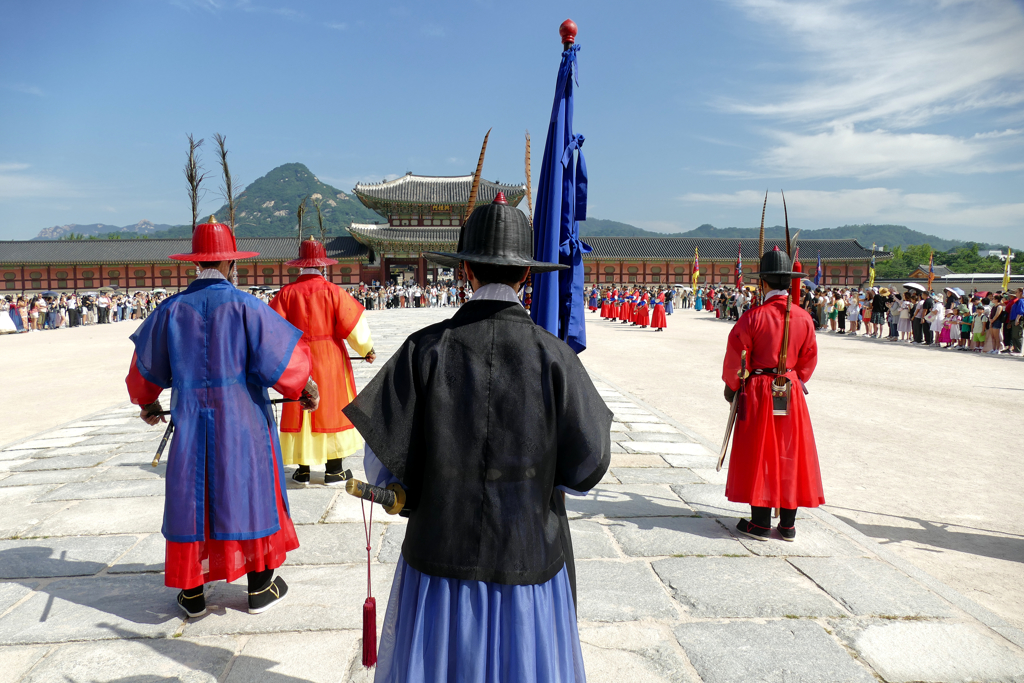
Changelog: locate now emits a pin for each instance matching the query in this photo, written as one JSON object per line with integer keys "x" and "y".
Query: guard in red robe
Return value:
{"x": 658, "y": 319}
{"x": 774, "y": 462}
{"x": 329, "y": 317}
{"x": 219, "y": 349}
{"x": 642, "y": 316}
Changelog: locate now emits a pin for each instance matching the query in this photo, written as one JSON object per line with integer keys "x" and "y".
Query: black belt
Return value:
{"x": 767, "y": 371}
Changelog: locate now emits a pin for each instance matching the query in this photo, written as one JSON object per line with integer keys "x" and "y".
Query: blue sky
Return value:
{"x": 864, "y": 112}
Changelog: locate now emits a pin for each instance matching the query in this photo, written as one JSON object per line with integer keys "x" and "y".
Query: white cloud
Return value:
{"x": 845, "y": 152}
{"x": 337, "y": 25}
{"x": 876, "y": 205}
{"x": 14, "y": 184}
{"x": 900, "y": 64}
{"x": 26, "y": 89}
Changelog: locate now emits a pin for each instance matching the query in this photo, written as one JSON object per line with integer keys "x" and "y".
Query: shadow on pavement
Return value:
{"x": 996, "y": 545}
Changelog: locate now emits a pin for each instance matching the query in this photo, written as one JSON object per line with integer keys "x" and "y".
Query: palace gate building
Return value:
{"x": 420, "y": 214}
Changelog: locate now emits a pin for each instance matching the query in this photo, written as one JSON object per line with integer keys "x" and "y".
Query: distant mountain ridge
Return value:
{"x": 143, "y": 227}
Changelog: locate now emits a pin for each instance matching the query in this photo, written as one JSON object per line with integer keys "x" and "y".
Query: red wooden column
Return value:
{"x": 74, "y": 274}
{"x": 421, "y": 271}
{"x": 23, "y": 280}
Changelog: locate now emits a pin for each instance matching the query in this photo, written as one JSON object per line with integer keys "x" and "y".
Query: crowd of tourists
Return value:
{"x": 38, "y": 312}
{"x": 981, "y": 322}
{"x": 377, "y": 296}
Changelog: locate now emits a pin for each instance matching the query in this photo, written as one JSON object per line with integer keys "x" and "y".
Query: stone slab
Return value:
{"x": 788, "y": 651}
{"x": 11, "y": 593}
{"x": 152, "y": 437}
{"x": 94, "y": 608}
{"x": 46, "y": 477}
{"x": 692, "y": 461}
{"x": 618, "y": 427}
{"x": 66, "y": 432}
{"x": 869, "y": 587}
{"x": 15, "y": 662}
{"x": 347, "y": 509}
{"x": 743, "y": 587}
{"x": 138, "y": 660}
{"x": 147, "y": 556}
{"x": 616, "y": 590}
{"x": 77, "y": 450}
{"x": 675, "y": 536}
{"x": 655, "y": 475}
{"x": 639, "y": 426}
{"x": 633, "y": 653}
{"x": 813, "y": 539}
{"x": 102, "y": 422}
{"x": 319, "y": 599}
{"x": 131, "y": 473}
{"x": 637, "y": 460}
{"x": 710, "y": 476}
{"x": 106, "y": 489}
{"x": 665, "y": 447}
{"x": 333, "y": 543}
{"x": 110, "y": 516}
{"x": 391, "y": 543}
{"x": 20, "y": 454}
{"x": 44, "y": 558}
{"x": 667, "y": 437}
{"x": 591, "y": 541}
{"x": 286, "y": 657}
{"x": 710, "y": 500}
{"x": 308, "y": 504}
{"x": 907, "y": 651}
{"x": 637, "y": 500}
{"x": 47, "y": 443}
{"x": 62, "y": 462}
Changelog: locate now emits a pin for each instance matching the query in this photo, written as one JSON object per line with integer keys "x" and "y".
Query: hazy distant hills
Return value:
{"x": 96, "y": 229}
{"x": 889, "y": 236}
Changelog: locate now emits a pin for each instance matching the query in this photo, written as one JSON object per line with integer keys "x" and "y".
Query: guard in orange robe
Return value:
{"x": 328, "y": 317}
{"x": 774, "y": 461}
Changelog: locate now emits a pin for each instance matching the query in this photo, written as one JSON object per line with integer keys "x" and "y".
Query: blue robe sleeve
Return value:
{"x": 271, "y": 340}
{"x": 153, "y": 358}
{"x": 376, "y": 473}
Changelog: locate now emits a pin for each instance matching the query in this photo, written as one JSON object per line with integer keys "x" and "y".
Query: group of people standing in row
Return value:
{"x": 39, "y": 312}
{"x": 638, "y": 306}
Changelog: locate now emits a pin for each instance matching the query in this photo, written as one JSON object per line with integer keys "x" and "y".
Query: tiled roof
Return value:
{"x": 416, "y": 189}
{"x": 156, "y": 250}
{"x": 411, "y": 235}
{"x": 718, "y": 249}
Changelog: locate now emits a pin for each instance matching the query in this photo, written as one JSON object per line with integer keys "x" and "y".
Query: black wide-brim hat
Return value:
{"x": 776, "y": 262}
{"x": 497, "y": 234}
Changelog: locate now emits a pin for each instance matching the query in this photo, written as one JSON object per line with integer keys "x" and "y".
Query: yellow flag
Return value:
{"x": 1006, "y": 270}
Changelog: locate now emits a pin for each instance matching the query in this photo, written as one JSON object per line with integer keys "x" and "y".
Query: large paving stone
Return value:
{"x": 710, "y": 500}
{"x": 657, "y": 436}
{"x": 591, "y": 541}
{"x": 633, "y": 653}
{"x": 665, "y": 447}
{"x": 62, "y": 462}
{"x": 48, "y": 443}
{"x": 638, "y": 500}
{"x": 78, "y": 450}
{"x": 147, "y": 556}
{"x": 102, "y": 422}
{"x": 743, "y": 587}
{"x": 906, "y": 651}
{"x": 26, "y": 454}
{"x": 15, "y": 662}
{"x": 132, "y": 473}
{"x": 46, "y": 477}
{"x": 135, "y": 458}
{"x": 637, "y": 460}
{"x": 139, "y": 660}
{"x": 692, "y": 461}
{"x": 710, "y": 476}
{"x": 286, "y": 657}
{"x": 10, "y": 593}
{"x": 43, "y": 558}
{"x": 653, "y": 426}
{"x": 813, "y": 539}
{"x": 868, "y": 587}
{"x": 110, "y": 516}
{"x": 319, "y": 599}
{"x": 308, "y": 505}
{"x": 655, "y": 475}
{"x": 333, "y": 543}
{"x": 616, "y": 590}
{"x": 91, "y": 608}
{"x": 19, "y": 512}
{"x": 789, "y": 651}
{"x": 106, "y": 489}
{"x": 66, "y": 432}
{"x": 659, "y": 536}
{"x": 391, "y": 544}
{"x": 142, "y": 441}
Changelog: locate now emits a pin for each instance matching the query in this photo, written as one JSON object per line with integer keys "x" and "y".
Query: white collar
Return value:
{"x": 210, "y": 274}
{"x": 776, "y": 292}
{"x": 495, "y": 291}
{"x": 311, "y": 271}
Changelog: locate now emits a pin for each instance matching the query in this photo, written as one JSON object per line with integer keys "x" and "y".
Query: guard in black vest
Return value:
{"x": 486, "y": 420}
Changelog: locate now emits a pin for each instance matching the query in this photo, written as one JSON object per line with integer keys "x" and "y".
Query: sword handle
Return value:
{"x": 392, "y": 499}
{"x": 163, "y": 442}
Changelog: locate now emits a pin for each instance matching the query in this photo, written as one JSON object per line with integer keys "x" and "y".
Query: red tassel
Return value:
{"x": 370, "y": 632}
{"x": 741, "y": 406}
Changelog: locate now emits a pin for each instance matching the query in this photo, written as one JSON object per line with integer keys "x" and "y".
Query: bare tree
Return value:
{"x": 299, "y": 213}
{"x": 229, "y": 188}
{"x": 194, "y": 177}
{"x": 317, "y": 204}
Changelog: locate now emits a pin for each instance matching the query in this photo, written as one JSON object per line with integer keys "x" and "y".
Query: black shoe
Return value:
{"x": 194, "y": 605}
{"x": 787, "y": 533}
{"x": 334, "y": 478}
{"x": 301, "y": 475}
{"x": 262, "y": 600}
{"x": 745, "y": 526}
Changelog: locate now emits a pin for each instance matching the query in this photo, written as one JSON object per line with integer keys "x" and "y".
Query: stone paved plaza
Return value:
{"x": 667, "y": 590}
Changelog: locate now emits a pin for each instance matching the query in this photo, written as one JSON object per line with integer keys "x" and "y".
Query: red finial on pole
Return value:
{"x": 568, "y": 31}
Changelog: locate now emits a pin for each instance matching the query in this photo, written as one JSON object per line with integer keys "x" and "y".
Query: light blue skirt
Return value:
{"x": 440, "y": 630}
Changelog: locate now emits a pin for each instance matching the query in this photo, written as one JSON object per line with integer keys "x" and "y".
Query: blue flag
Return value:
{"x": 558, "y": 304}
{"x": 818, "y": 274}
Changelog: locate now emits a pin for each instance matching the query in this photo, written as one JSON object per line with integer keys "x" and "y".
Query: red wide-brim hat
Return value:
{"x": 213, "y": 242}
{"x": 312, "y": 254}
